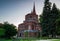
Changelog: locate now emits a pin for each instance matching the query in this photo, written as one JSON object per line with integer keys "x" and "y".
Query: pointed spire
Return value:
{"x": 34, "y": 8}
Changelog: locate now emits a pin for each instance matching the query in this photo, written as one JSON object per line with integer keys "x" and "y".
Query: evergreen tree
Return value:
{"x": 58, "y": 24}
{"x": 54, "y": 16}
{"x": 44, "y": 18}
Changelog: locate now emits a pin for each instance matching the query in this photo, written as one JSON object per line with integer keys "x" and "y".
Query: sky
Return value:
{"x": 14, "y": 11}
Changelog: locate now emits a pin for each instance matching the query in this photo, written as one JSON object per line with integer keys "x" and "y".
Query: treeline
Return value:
{"x": 7, "y": 30}
{"x": 50, "y": 20}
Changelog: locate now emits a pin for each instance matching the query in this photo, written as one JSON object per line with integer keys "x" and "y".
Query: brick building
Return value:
{"x": 30, "y": 27}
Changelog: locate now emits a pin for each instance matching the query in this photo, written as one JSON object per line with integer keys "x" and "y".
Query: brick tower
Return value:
{"x": 30, "y": 27}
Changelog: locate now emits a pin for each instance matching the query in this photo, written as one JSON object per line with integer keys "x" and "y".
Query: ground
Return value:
{"x": 29, "y": 40}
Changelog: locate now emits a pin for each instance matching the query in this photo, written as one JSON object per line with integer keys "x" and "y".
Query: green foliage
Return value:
{"x": 2, "y": 32}
{"x": 48, "y": 19}
{"x": 5, "y": 39}
{"x": 53, "y": 18}
{"x": 44, "y": 18}
{"x": 26, "y": 34}
{"x": 7, "y": 30}
{"x": 39, "y": 35}
{"x": 58, "y": 24}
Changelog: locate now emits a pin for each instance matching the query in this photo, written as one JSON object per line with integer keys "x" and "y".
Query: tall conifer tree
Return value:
{"x": 53, "y": 18}
{"x": 44, "y": 18}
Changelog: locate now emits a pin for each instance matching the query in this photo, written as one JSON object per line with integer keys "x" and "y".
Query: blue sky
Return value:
{"x": 14, "y": 11}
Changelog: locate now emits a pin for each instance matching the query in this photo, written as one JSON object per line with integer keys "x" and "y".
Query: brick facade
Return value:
{"x": 30, "y": 27}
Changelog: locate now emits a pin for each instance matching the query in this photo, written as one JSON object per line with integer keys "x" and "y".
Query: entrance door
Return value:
{"x": 20, "y": 35}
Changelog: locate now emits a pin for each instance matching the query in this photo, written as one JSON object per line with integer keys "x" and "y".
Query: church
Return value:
{"x": 30, "y": 26}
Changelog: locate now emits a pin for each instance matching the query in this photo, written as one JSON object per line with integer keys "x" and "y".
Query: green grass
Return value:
{"x": 56, "y": 40}
{"x": 28, "y": 39}
{"x": 35, "y": 39}
{"x": 5, "y": 40}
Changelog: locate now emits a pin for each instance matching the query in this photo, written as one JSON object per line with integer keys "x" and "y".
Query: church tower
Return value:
{"x": 30, "y": 25}
{"x": 32, "y": 17}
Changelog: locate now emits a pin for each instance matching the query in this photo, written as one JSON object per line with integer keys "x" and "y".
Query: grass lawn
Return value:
{"x": 29, "y": 40}
{"x": 5, "y": 40}
{"x": 56, "y": 40}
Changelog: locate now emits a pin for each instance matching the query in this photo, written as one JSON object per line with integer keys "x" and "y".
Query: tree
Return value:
{"x": 10, "y": 30}
{"x": 48, "y": 19}
{"x": 54, "y": 16}
{"x": 2, "y": 31}
{"x": 58, "y": 27}
{"x": 58, "y": 24}
{"x": 44, "y": 18}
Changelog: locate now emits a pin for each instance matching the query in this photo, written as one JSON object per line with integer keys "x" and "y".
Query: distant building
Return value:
{"x": 30, "y": 27}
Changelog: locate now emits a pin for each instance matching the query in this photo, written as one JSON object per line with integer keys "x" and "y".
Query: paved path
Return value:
{"x": 48, "y": 40}
{"x": 43, "y": 40}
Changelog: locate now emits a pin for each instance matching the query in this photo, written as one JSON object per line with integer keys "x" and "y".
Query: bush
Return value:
{"x": 2, "y": 32}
